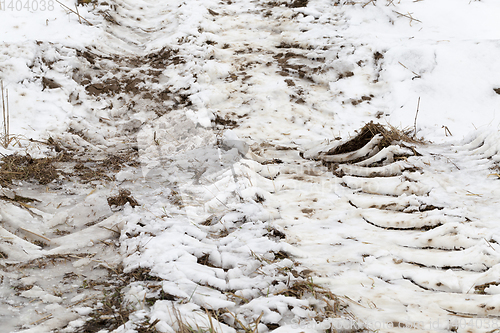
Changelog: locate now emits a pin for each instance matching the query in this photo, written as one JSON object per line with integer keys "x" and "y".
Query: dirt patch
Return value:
{"x": 129, "y": 79}
{"x": 345, "y": 75}
{"x": 225, "y": 122}
{"x": 205, "y": 260}
{"x": 293, "y": 4}
{"x": 298, "y": 4}
{"x": 481, "y": 289}
{"x": 377, "y": 56}
{"x": 163, "y": 58}
{"x": 273, "y": 232}
{"x": 49, "y": 84}
{"x": 121, "y": 199}
{"x": 361, "y": 100}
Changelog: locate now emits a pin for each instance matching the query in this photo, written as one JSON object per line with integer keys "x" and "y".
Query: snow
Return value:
{"x": 231, "y": 111}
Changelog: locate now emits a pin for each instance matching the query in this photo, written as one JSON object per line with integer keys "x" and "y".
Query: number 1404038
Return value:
{"x": 26, "y": 5}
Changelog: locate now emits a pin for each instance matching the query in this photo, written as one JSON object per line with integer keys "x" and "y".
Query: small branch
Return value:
{"x": 71, "y": 10}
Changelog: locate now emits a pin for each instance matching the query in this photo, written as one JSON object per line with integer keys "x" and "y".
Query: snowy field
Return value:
{"x": 250, "y": 166}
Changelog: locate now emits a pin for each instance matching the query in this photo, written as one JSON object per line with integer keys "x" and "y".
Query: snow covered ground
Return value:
{"x": 185, "y": 163}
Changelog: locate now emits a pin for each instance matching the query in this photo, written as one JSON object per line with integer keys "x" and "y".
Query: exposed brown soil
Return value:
{"x": 121, "y": 199}
{"x": 225, "y": 122}
{"x": 298, "y": 3}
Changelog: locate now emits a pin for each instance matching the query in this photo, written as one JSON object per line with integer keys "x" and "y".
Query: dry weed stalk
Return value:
{"x": 6, "y": 116}
{"x": 408, "y": 16}
{"x": 416, "y": 115}
{"x": 80, "y": 18}
{"x": 184, "y": 327}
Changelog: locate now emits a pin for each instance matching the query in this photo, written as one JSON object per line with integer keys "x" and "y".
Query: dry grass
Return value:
{"x": 182, "y": 325}
{"x": 115, "y": 311}
{"x": 390, "y": 135}
{"x": 45, "y": 170}
{"x": 17, "y": 167}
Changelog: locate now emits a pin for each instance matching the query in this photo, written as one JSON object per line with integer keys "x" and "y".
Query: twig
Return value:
{"x": 71, "y": 10}
{"x": 416, "y": 115}
{"x": 34, "y": 233}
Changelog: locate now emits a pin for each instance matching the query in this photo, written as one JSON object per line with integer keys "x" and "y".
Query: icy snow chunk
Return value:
{"x": 203, "y": 117}
{"x": 83, "y": 311}
{"x": 173, "y": 289}
{"x": 216, "y": 70}
{"x": 386, "y": 155}
{"x": 124, "y": 175}
{"x": 73, "y": 325}
{"x": 135, "y": 295}
{"x": 231, "y": 139}
{"x": 394, "y": 169}
{"x": 367, "y": 150}
{"x": 37, "y": 292}
{"x": 391, "y": 219}
{"x": 387, "y": 186}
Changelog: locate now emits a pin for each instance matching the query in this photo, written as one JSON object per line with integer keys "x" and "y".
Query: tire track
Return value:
{"x": 418, "y": 245}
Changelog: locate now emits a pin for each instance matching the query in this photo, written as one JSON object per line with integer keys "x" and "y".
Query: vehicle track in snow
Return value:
{"x": 125, "y": 91}
{"x": 411, "y": 239}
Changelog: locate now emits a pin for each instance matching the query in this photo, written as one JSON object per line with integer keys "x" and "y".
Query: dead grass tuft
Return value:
{"x": 47, "y": 169}
{"x": 390, "y": 135}
{"x": 25, "y": 168}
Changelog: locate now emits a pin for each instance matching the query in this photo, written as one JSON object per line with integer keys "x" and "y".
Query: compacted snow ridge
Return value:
{"x": 232, "y": 166}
